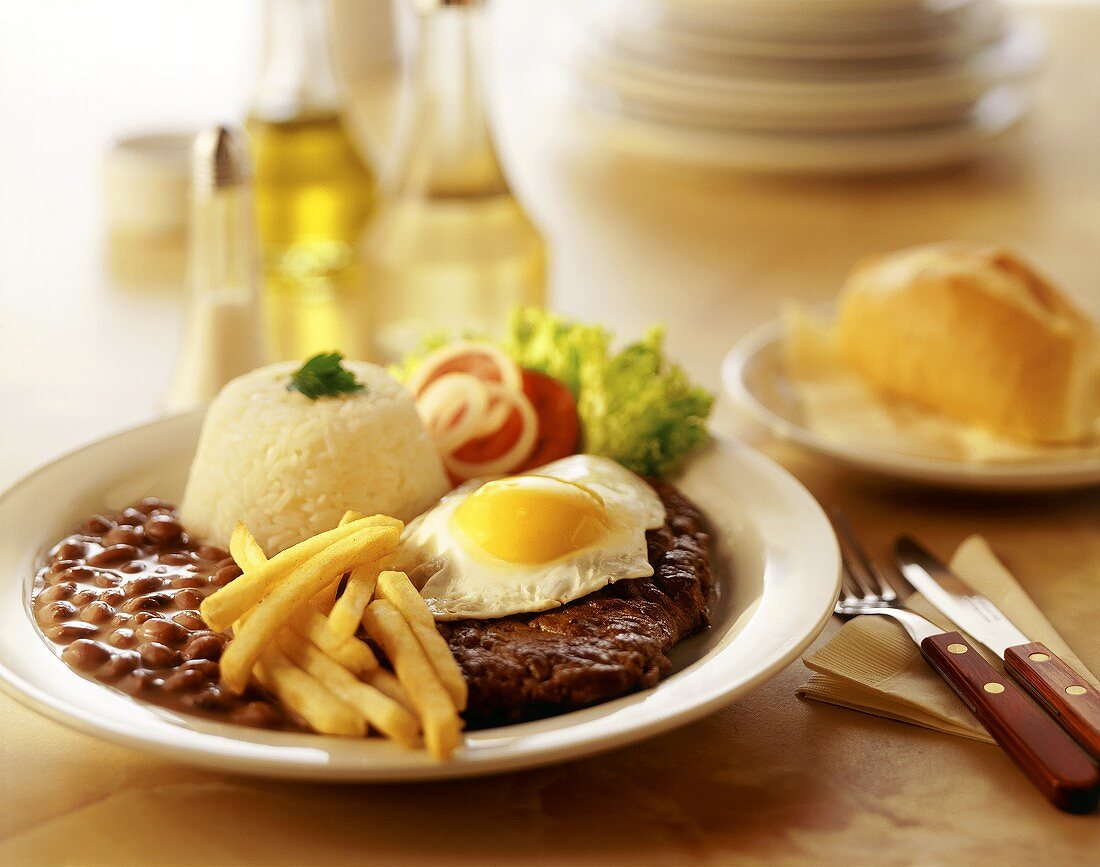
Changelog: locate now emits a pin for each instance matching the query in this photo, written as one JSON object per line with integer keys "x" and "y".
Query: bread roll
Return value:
{"x": 974, "y": 333}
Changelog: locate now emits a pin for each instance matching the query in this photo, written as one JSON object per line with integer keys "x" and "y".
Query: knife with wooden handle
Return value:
{"x": 1073, "y": 701}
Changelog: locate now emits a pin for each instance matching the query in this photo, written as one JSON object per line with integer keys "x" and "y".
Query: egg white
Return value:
{"x": 458, "y": 579}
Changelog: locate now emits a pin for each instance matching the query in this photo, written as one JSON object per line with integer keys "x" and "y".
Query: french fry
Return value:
{"x": 325, "y": 598}
{"x": 308, "y": 697}
{"x": 245, "y": 549}
{"x": 220, "y": 609}
{"x": 382, "y": 712}
{"x": 347, "y": 612}
{"x": 396, "y": 589}
{"x": 353, "y": 654}
{"x": 440, "y": 720}
{"x": 281, "y": 601}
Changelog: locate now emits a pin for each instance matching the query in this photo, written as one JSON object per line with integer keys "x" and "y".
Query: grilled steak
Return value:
{"x": 607, "y": 644}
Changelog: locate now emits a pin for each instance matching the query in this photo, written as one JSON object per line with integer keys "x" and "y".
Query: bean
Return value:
{"x": 74, "y": 572}
{"x": 224, "y": 575}
{"x": 122, "y": 637}
{"x": 190, "y": 620}
{"x": 112, "y": 595}
{"x": 86, "y": 655}
{"x": 225, "y": 561}
{"x": 184, "y": 580}
{"x": 96, "y": 612}
{"x": 176, "y": 558}
{"x": 208, "y": 667}
{"x": 189, "y": 598}
{"x": 123, "y": 662}
{"x": 121, "y": 618}
{"x": 55, "y": 592}
{"x": 163, "y": 631}
{"x": 142, "y": 585}
{"x": 97, "y": 525}
{"x": 211, "y": 698}
{"x": 113, "y": 554}
{"x": 256, "y": 713}
{"x": 212, "y": 553}
{"x": 163, "y": 528}
{"x": 84, "y": 596}
{"x": 124, "y": 536}
{"x": 107, "y": 579}
{"x": 204, "y": 647}
{"x": 149, "y": 602}
{"x": 64, "y": 633}
{"x": 185, "y": 680}
{"x": 143, "y": 616}
{"x": 156, "y": 655}
{"x": 132, "y": 568}
{"x": 71, "y": 550}
{"x": 57, "y": 612}
{"x": 138, "y": 681}
{"x": 131, "y": 518}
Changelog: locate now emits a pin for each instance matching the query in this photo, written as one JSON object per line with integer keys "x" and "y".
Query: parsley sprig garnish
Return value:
{"x": 324, "y": 376}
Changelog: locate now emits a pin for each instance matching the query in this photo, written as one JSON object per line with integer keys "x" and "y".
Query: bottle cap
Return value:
{"x": 219, "y": 159}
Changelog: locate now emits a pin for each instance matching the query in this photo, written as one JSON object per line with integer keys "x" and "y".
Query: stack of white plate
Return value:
{"x": 813, "y": 85}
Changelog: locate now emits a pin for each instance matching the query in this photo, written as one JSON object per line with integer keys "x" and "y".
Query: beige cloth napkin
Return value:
{"x": 873, "y": 665}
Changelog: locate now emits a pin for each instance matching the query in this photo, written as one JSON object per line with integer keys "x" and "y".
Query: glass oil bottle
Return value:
{"x": 314, "y": 190}
{"x": 450, "y": 248}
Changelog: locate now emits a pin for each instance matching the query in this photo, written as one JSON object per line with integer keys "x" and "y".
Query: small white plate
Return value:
{"x": 776, "y": 568}
{"x": 756, "y": 379}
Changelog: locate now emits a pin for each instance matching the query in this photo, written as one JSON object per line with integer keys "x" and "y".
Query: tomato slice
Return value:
{"x": 559, "y": 426}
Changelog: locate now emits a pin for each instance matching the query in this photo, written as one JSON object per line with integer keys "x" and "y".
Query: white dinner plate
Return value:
{"x": 776, "y": 569}
{"x": 827, "y": 154}
{"x": 755, "y": 377}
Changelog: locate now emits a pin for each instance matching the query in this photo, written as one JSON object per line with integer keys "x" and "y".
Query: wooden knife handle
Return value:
{"x": 1067, "y": 695}
{"x": 1060, "y": 769}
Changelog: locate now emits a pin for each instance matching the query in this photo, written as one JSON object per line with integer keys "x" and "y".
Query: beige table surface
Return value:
{"x": 770, "y": 777}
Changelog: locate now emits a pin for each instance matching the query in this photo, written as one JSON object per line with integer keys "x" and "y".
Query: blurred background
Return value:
{"x": 632, "y": 162}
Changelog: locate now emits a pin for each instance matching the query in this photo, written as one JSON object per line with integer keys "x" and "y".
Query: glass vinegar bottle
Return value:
{"x": 314, "y": 190}
{"x": 449, "y": 248}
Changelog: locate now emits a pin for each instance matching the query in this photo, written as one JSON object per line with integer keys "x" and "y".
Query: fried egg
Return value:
{"x": 531, "y": 542}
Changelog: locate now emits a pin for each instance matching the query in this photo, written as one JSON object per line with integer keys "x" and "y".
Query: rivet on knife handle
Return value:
{"x": 1054, "y": 763}
{"x": 1059, "y": 688}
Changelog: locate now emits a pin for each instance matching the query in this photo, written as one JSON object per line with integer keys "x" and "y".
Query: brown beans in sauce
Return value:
{"x": 120, "y": 599}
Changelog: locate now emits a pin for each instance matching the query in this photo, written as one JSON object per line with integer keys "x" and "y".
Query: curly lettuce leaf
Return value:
{"x": 634, "y": 405}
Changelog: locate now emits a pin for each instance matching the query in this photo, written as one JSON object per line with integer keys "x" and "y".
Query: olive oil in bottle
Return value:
{"x": 313, "y": 189}
{"x": 450, "y": 247}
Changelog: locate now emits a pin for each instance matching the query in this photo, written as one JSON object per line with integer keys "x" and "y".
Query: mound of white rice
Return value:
{"x": 289, "y": 467}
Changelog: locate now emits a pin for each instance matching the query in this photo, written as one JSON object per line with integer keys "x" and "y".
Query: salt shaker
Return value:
{"x": 223, "y": 329}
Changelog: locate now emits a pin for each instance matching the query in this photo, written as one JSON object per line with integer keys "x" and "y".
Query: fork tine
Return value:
{"x": 852, "y": 555}
{"x": 851, "y": 588}
{"x": 863, "y": 568}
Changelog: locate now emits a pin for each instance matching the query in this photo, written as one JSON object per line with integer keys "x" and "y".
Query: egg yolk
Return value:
{"x": 532, "y": 519}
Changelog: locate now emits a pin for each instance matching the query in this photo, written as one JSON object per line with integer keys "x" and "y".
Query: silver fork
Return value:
{"x": 1053, "y": 762}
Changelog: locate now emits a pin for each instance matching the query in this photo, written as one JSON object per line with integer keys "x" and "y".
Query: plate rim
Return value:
{"x": 130, "y": 734}
{"x": 943, "y": 472}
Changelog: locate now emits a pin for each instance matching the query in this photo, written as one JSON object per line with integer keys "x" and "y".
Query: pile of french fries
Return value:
{"x": 296, "y": 637}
